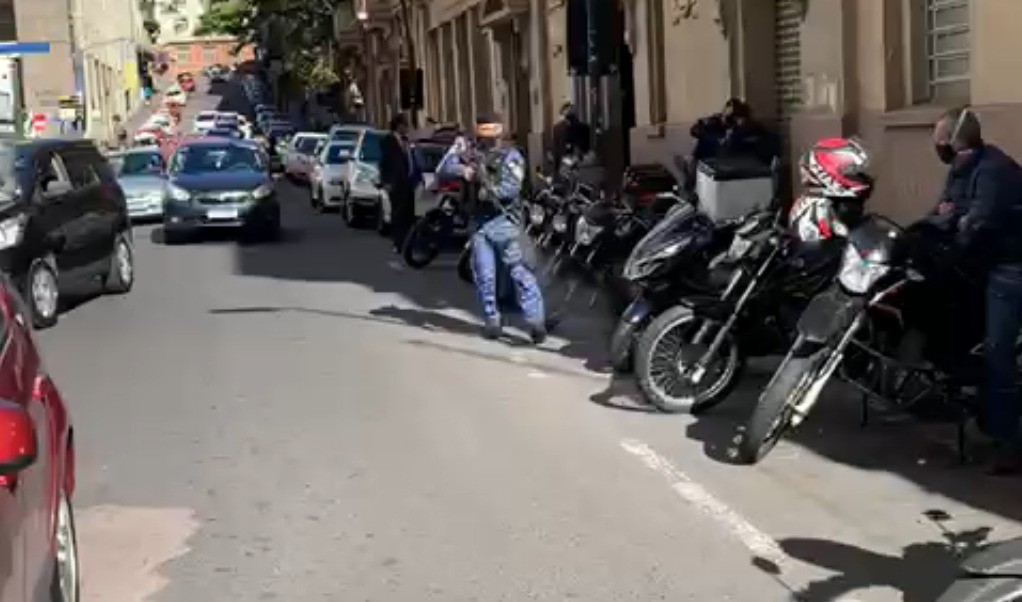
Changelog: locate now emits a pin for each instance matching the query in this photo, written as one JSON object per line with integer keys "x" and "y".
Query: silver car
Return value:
{"x": 142, "y": 175}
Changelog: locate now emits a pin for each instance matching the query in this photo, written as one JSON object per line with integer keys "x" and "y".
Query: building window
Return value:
{"x": 183, "y": 55}
{"x": 209, "y": 55}
{"x": 946, "y": 29}
{"x": 655, "y": 48}
{"x": 181, "y": 25}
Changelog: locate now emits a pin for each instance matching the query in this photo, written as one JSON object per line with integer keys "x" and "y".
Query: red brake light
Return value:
{"x": 449, "y": 186}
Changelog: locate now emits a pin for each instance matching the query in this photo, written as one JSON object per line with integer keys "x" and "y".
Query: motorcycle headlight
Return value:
{"x": 638, "y": 267}
{"x": 176, "y": 193}
{"x": 858, "y": 274}
{"x": 537, "y": 215}
{"x": 585, "y": 232}
{"x": 560, "y": 224}
{"x": 739, "y": 248}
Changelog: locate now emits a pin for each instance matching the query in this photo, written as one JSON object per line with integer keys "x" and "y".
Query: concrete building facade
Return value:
{"x": 110, "y": 42}
{"x": 881, "y": 70}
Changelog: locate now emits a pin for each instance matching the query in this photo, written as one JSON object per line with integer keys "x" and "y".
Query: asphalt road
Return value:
{"x": 306, "y": 421}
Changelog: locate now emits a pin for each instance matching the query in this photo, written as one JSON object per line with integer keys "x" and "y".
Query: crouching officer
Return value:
{"x": 498, "y": 170}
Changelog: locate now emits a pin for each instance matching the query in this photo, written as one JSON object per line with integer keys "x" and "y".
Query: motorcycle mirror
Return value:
{"x": 914, "y": 275}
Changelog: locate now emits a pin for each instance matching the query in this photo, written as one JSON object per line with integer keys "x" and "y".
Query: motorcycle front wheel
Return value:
{"x": 667, "y": 349}
{"x": 423, "y": 243}
{"x": 775, "y": 408}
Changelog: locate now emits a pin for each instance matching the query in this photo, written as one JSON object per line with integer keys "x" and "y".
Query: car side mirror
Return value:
{"x": 18, "y": 446}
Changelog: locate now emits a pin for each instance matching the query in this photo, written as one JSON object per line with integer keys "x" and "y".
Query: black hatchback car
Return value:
{"x": 63, "y": 221}
{"x": 219, "y": 183}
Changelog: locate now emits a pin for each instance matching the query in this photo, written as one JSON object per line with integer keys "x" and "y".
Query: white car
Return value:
{"x": 300, "y": 154}
{"x": 205, "y": 121}
{"x": 175, "y": 95}
{"x": 328, "y": 183}
{"x": 360, "y": 194}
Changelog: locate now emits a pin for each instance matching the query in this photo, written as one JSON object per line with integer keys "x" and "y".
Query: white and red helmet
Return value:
{"x": 837, "y": 168}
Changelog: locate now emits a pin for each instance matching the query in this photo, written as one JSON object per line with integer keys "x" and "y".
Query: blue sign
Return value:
{"x": 24, "y": 48}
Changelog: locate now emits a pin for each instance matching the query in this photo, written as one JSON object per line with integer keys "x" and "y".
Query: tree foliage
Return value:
{"x": 304, "y": 29}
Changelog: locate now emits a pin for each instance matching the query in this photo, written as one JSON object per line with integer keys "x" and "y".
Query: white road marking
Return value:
{"x": 758, "y": 542}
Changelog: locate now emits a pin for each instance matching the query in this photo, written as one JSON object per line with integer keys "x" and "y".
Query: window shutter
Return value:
{"x": 788, "y": 60}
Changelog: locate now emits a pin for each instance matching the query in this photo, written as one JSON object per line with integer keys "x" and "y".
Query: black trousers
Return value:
{"x": 402, "y": 216}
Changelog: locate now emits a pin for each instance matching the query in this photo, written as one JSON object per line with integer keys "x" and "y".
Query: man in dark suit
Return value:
{"x": 399, "y": 177}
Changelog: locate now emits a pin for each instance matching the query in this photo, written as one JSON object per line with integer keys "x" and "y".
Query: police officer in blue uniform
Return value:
{"x": 497, "y": 169}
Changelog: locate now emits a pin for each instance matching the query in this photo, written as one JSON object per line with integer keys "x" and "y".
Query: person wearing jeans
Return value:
{"x": 983, "y": 196}
{"x": 497, "y": 169}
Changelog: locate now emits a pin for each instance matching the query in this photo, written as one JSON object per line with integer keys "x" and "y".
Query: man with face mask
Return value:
{"x": 982, "y": 201}
{"x": 497, "y": 170}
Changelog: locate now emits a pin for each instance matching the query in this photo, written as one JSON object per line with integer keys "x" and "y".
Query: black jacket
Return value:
{"x": 986, "y": 192}
{"x": 395, "y": 167}
{"x": 715, "y": 138}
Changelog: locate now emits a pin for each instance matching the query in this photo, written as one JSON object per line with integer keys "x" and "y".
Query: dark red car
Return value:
{"x": 38, "y": 548}
{"x": 187, "y": 82}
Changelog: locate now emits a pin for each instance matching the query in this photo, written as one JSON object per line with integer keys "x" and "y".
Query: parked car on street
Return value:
{"x": 300, "y": 153}
{"x": 204, "y": 121}
{"x": 327, "y": 182}
{"x": 225, "y": 132}
{"x": 63, "y": 221}
{"x": 187, "y": 81}
{"x": 175, "y": 95}
{"x": 37, "y": 467}
{"x": 216, "y": 183}
{"x": 141, "y": 172}
{"x": 359, "y": 192}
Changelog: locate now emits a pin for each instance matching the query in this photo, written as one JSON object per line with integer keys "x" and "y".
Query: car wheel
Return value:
{"x": 65, "y": 586}
{"x": 121, "y": 275}
{"x": 42, "y": 293}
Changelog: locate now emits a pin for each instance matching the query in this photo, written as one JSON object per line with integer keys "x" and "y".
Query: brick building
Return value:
{"x": 194, "y": 55}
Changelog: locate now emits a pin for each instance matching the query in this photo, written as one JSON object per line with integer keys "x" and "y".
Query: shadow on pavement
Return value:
{"x": 921, "y": 573}
{"x": 330, "y": 252}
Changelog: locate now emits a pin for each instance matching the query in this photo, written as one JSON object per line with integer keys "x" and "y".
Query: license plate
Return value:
{"x": 223, "y": 214}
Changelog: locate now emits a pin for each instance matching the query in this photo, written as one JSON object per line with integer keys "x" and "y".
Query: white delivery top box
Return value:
{"x": 729, "y": 188}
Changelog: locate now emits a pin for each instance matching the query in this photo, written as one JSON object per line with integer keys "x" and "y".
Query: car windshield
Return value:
{"x": 137, "y": 164}
{"x": 206, "y": 117}
{"x": 338, "y": 154}
{"x": 350, "y": 136}
{"x": 205, "y": 158}
{"x": 307, "y": 145}
{"x": 371, "y": 151}
{"x": 223, "y": 132}
{"x": 428, "y": 157}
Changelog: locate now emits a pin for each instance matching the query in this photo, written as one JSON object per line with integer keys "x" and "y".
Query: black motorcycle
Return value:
{"x": 992, "y": 575}
{"x": 691, "y": 356}
{"x": 442, "y": 228}
{"x": 884, "y": 327}
{"x": 671, "y": 261}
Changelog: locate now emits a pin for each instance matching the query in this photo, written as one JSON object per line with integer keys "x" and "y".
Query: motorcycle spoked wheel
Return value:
{"x": 665, "y": 348}
{"x": 775, "y": 408}
{"x": 423, "y": 243}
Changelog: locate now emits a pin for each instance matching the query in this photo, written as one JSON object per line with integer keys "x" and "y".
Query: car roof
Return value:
{"x": 214, "y": 141}
{"x": 135, "y": 150}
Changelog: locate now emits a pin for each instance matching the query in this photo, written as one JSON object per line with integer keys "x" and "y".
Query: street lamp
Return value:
{"x": 361, "y": 11}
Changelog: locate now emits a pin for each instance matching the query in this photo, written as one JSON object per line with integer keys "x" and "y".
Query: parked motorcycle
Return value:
{"x": 671, "y": 260}
{"x": 992, "y": 575}
{"x": 883, "y": 326}
{"x": 444, "y": 227}
{"x": 691, "y": 356}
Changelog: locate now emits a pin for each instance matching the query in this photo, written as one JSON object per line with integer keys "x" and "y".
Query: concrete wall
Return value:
{"x": 46, "y": 77}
